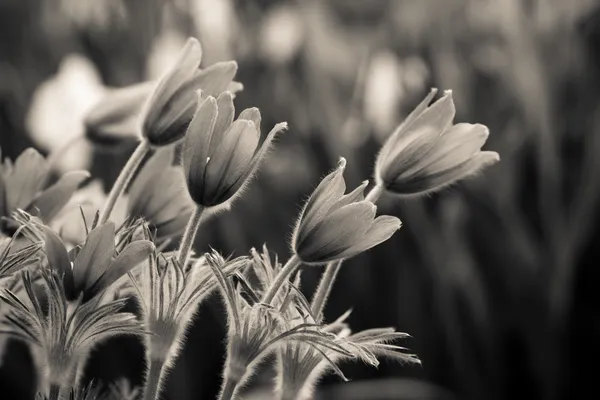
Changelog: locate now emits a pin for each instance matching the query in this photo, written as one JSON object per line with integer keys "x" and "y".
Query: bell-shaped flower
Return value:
{"x": 428, "y": 151}
{"x": 220, "y": 155}
{"x": 115, "y": 119}
{"x": 24, "y": 185}
{"x": 62, "y": 332}
{"x": 334, "y": 225}
{"x": 171, "y": 105}
{"x": 87, "y": 271}
{"x": 168, "y": 295}
{"x": 159, "y": 196}
{"x": 300, "y": 367}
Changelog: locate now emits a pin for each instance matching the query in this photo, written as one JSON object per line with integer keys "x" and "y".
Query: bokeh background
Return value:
{"x": 496, "y": 279}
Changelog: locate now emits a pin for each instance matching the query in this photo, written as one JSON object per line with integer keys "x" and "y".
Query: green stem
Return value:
{"x": 124, "y": 178}
{"x": 153, "y": 385}
{"x": 333, "y": 268}
{"x": 189, "y": 236}
{"x": 287, "y": 270}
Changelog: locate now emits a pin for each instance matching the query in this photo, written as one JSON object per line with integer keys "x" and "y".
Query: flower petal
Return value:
{"x": 129, "y": 258}
{"x": 215, "y": 79}
{"x": 58, "y": 260}
{"x": 55, "y": 198}
{"x": 230, "y": 162}
{"x": 95, "y": 256}
{"x": 429, "y": 183}
{"x": 148, "y": 178}
{"x": 323, "y": 198}
{"x": 381, "y": 229}
{"x": 224, "y": 119}
{"x": 195, "y": 151}
{"x": 26, "y": 177}
{"x": 339, "y": 233}
{"x": 355, "y": 196}
{"x": 252, "y": 114}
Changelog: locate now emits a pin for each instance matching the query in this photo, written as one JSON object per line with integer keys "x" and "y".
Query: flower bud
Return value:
{"x": 220, "y": 155}
{"x": 171, "y": 106}
{"x": 334, "y": 226}
{"x": 428, "y": 151}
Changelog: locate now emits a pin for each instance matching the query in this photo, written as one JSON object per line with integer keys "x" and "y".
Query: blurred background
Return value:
{"x": 495, "y": 279}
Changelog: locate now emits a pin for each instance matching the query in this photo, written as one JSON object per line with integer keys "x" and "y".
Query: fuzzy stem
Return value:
{"x": 288, "y": 269}
{"x": 229, "y": 389}
{"x": 187, "y": 241}
{"x": 53, "y": 391}
{"x": 333, "y": 268}
{"x": 123, "y": 179}
{"x": 154, "y": 374}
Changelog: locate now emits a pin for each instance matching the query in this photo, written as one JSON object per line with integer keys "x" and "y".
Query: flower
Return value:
{"x": 171, "y": 105}
{"x": 90, "y": 269}
{"x": 334, "y": 226}
{"x": 220, "y": 155}
{"x": 23, "y": 185}
{"x": 428, "y": 151}
{"x": 12, "y": 260}
{"x": 158, "y": 194}
{"x": 115, "y": 118}
{"x": 63, "y": 334}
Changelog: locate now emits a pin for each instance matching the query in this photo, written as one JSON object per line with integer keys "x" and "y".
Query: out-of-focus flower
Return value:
{"x": 170, "y": 107}
{"x": 428, "y": 152}
{"x": 60, "y": 104}
{"x": 282, "y": 34}
{"x": 115, "y": 118}
{"x": 159, "y": 196}
{"x": 23, "y": 186}
{"x": 334, "y": 226}
{"x": 63, "y": 335}
{"x": 90, "y": 269}
{"x": 221, "y": 155}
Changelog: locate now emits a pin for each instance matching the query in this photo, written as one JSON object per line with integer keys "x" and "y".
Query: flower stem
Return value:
{"x": 332, "y": 270}
{"x": 189, "y": 235}
{"x": 287, "y": 270}
{"x": 229, "y": 389}
{"x": 153, "y": 385}
{"x": 53, "y": 391}
{"x": 123, "y": 179}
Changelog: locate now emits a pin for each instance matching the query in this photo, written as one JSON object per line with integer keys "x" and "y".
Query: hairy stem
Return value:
{"x": 288, "y": 269}
{"x": 333, "y": 268}
{"x": 154, "y": 374}
{"x": 189, "y": 236}
{"x": 124, "y": 178}
{"x": 229, "y": 389}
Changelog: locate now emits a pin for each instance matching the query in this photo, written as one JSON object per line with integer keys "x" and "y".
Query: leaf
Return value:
{"x": 52, "y": 200}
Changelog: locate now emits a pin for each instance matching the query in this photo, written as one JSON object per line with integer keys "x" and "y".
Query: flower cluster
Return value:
{"x": 65, "y": 300}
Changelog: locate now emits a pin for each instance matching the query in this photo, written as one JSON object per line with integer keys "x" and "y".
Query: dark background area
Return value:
{"x": 495, "y": 279}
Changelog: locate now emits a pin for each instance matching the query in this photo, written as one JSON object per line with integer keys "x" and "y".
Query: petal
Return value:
{"x": 393, "y": 139}
{"x": 416, "y": 139}
{"x": 215, "y": 79}
{"x": 323, "y": 198}
{"x": 230, "y": 162}
{"x": 58, "y": 260}
{"x": 149, "y": 178}
{"x": 161, "y": 113}
{"x": 26, "y": 178}
{"x": 114, "y": 119}
{"x": 224, "y": 119}
{"x": 252, "y": 114}
{"x": 381, "y": 229}
{"x": 355, "y": 196}
{"x": 195, "y": 150}
{"x": 129, "y": 258}
{"x": 55, "y": 198}
{"x": 433, "y": 182}
{"x": 339, "y": 233}
{"x": 457, "y": 145}
{"x": 95, "y": 256}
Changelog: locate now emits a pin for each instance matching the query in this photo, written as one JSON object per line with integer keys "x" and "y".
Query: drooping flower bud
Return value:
{"x": 171, "y": 106}
{"x": 220, "y": 155}
{"x": 428, "y": 151}
{"x": 334, "y": 226}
